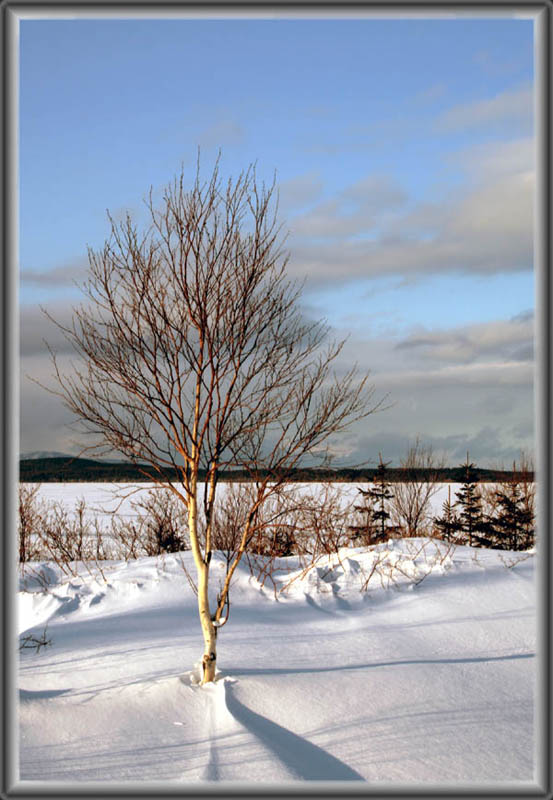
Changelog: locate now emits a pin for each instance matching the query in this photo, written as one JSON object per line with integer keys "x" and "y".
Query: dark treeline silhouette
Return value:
{"x": 73, "y": 469}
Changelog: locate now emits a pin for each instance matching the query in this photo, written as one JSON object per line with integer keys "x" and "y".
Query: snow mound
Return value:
{"x": 397, "y": 564}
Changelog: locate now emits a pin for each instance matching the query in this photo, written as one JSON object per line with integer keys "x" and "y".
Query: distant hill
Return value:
{"x": 42, "y": 454}
{"x": 64, "y": 468}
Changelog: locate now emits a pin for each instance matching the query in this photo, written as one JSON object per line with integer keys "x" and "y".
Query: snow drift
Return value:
{"x": 406, "y": 663}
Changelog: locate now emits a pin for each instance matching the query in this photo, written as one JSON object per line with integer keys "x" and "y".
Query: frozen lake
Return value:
{"x": 105, "y": 499}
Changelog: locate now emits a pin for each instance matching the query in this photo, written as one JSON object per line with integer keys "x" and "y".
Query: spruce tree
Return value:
{"x": 468, "y": 498}
{"x": 375, "y": 506}
{"x": 448, "y": 524}
{"x": 513, "y": 521}
{"x": 363, "y": 533}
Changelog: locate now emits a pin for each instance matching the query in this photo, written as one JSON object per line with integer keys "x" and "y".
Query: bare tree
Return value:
{"x": 194, "y": 357}
{"x": 411, "y": 501}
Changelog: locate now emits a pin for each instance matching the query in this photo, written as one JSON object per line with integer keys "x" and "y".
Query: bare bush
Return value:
{"x": 410, "y": 504}
{"x": 376, "y": 568}
{"x": 162, "y": 523}
{"x": 31, "y": 512}
{"x": 315, "y": 522}
{"x": 126, "y": 538}
{"x": 38, "y": 576}
{"x": 65, "y": 536}
{"x": 321, "y": 521}
{"x": 273, "y": 529}
{"x": 510, "y": 563}
{"x": 31, "y": 641}
{"x": 229, "y": 517}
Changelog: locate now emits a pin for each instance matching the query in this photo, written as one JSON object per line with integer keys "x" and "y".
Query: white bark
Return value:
{"x": 209, "y": 660}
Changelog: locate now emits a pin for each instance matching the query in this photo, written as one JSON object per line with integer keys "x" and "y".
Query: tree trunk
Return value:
{"x": 209, "y": 660}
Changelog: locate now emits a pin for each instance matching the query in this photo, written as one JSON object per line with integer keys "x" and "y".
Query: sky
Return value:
{"x": 403, "y": 150}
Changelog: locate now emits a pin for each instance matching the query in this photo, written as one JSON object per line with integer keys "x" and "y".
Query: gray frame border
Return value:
{"x": 10, "y": 394}
{"x": 11, "y": 12}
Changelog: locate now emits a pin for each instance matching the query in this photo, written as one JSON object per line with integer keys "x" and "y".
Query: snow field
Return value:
{"x": 105, "y": 499}
{"x": 427, "y": 677}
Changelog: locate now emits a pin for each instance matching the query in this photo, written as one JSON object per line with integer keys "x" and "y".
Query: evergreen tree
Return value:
{"x": 448, "y": 524}
{"x": 364, "y": 533}
{"x": 525, "y": 479}
{"x": 375, "y": 506}
{"x": 472, "y": 521}
{"x": 513, "y": 522}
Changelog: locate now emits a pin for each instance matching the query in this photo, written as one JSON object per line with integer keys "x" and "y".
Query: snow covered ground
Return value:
{"x": 427, "y": 677}
{"x": 105, "y": 499}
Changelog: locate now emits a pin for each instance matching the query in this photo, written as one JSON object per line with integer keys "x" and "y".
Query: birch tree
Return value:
{"x": 193, "y": 356}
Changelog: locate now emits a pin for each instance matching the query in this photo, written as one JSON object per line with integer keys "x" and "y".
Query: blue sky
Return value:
{"x": 403, "y": 150}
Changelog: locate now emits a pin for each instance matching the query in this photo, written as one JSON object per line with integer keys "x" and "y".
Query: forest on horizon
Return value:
{"x": 74, "y": 469}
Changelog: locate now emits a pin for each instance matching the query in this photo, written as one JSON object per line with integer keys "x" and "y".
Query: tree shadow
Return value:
{"x": 303, "y": 759}
{"x": 375, "y": 664}
{"x": 25, "y": 695}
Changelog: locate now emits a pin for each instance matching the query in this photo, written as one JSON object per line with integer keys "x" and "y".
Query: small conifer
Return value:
{"x": 375, "y": 506}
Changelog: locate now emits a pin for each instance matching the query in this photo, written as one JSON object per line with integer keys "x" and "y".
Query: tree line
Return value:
{"x": 498, "y": 515}
{"x": 72, "y": 469}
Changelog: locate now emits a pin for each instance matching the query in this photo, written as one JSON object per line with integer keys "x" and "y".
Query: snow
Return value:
{"x": 105, "y": 499}
{"x": 426, "y": 678}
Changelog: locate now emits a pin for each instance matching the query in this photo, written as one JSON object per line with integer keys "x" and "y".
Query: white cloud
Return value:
{"x": 514, "y": 106}
{"x": 352, "y": 211}
{"x": 64, "y": 275}
{"x": 503, "y": 208}
{"x": 489, "y": 160}
{"x": 487, "y": 446}
{"x": 486, "y": 374}
{"x": 485, "y": 227}
{"x": 300, "y": 191}
{"x": 36, "y": 329}
{"x": 501, "y": 340}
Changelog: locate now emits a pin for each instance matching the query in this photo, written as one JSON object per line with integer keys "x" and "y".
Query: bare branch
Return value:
{"x": 193, "y": 354}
